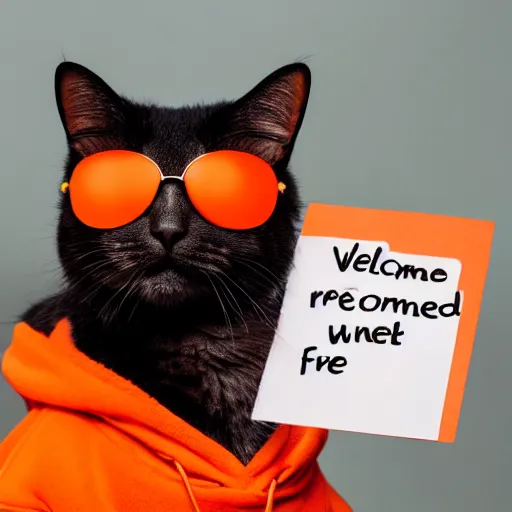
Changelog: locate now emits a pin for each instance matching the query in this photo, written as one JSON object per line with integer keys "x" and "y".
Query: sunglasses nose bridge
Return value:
{"x": 168, "y": 178}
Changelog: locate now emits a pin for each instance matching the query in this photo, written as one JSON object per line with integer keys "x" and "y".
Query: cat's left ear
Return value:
{"x": 93, "y": 115}
{"x": 267, "y": 120}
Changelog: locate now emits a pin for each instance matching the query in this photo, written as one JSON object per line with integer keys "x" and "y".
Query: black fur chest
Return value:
{"x": 208, "y": 377}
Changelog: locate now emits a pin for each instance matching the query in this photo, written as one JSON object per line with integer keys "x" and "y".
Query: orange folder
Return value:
{"x": 468, "y": 240}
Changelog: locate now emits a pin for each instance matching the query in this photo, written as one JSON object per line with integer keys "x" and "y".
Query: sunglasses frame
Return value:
{"x": 179, "y": 178}
{"x": 280, "y": 185}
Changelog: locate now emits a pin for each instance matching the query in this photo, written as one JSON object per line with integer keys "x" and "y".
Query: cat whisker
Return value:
{"x": 94, "y": 271}
{"x": 256, "y": 306}
{"x": 127, "y": 284}
{"x": 86, "y": 254}
{"x": 135, "y": 304}
{"x": 214, "y": 258}
{"x": 92, "y": 292}
{"x": 239, "y": 312}
{"x": 226, "y": 316}
{"x": 94, "y": 264}
{"x": 105, "y": 248}
{"x": 134, "y": 282}
{"x": 277, "y": 287}
{"x": 248, "y": 261}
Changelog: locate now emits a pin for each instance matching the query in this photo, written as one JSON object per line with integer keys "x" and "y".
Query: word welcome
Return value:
{"x": 390, "y": 267}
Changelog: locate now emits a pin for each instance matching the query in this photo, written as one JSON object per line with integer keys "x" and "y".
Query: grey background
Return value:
{"x": 410, "y": 109}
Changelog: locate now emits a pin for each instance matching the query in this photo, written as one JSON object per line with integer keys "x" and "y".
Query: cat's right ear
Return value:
{"x": 92, "y": 114}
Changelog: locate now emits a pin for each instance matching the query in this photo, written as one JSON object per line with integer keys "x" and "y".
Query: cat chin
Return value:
{"x": 168, "y": 289}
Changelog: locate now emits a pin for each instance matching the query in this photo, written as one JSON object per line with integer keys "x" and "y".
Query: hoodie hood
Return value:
{"x": 51, "y": 373}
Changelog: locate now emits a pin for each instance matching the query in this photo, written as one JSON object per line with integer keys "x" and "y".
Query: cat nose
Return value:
{"x": 169, "y": 234}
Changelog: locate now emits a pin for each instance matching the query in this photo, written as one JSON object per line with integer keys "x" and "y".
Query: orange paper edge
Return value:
{"x": 468, "y": 240}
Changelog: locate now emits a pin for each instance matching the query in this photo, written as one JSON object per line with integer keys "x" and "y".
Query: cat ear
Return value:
{"x": 92, "y": 114}
{"x": 266, "y": 121}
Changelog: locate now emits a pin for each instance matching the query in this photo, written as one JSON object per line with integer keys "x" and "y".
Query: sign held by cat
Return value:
{"x": 378, "y": 323}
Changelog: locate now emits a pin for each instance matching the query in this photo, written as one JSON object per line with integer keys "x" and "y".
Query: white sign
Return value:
{"x": 365, "y": 340}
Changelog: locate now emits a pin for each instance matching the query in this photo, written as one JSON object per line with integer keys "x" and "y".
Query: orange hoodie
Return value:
{"x": 94, "y": 442}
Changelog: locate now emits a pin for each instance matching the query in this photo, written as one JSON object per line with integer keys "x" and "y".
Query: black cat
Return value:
{"x": 183, "y": 309}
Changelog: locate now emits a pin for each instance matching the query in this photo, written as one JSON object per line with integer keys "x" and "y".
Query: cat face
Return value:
{"x": 170, "y": 255}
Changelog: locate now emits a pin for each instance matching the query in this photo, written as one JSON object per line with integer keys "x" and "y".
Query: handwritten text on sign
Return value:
{"x": 347, "y": 300}
{"x": 365, "y": 340}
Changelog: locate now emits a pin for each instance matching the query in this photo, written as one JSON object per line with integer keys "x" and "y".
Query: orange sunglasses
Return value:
{"x": 231, "y": 189}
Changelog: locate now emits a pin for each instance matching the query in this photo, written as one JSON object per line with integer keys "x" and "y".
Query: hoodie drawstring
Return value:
{"x": 188, "y": 487}
{"x": 270, "y": 497}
